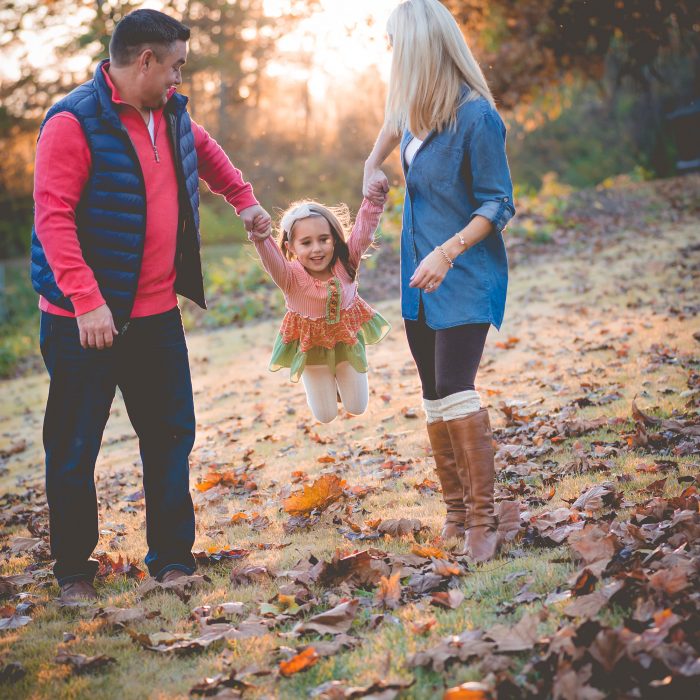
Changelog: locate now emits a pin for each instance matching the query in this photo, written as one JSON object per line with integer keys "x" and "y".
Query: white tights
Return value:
{"x": 322, "y": 387}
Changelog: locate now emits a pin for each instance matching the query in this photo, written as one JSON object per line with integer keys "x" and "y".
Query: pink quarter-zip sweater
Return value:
{"x": 62, "y": 169}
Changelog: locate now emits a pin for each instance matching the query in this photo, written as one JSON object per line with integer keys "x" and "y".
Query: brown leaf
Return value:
{"x": 120, "y": 617}
{"x": 670, "y": 581}
{"x": 451, "y": 599}
{"x": 586, "y": 605}
{"x": 10, "y": 620}
{"x": 641, "y": 417}
{"x": 181, "y": 587}
{"x": 359, "y": 568}
{"x": 593, "y": 543}
{"x": 84, "y": 664}
{"x": 318, "y": 496}
{"x": 250, "y": 575}
{"x": 608, "y": 648}
{"x": 400, "y": 527}
{"x": 422, "y": 626}
{"x": 468, "y": 645}
{"x": 220, "y": 684}
{"x": 301, "y": 662}
{"x": 521, "y": 637}
{"x": 446, "y": 568}
{"x": 335, "y": 621}
{"x": 596, "y": 497}
{"x": 389, "y": 592}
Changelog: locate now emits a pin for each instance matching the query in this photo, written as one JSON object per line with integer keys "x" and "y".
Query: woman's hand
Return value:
{"x": 430, "y": 272}
{"x": 375, "y": 186}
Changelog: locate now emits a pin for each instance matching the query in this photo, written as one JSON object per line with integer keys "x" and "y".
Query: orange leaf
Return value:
{"x": 300, "y": 662}
{"x": 214, "y": 478}
{"x": 326, "y": 459}
{"x": 468, "y": 691}
{"x": 428, "y": 552}
{"x": 318, "y": 496}
{"x": 389, "y": 593}
{"x": 238, "y": 518}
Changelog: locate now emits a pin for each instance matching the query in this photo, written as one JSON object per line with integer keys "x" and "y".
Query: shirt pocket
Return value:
{"x": 442, "y": 164}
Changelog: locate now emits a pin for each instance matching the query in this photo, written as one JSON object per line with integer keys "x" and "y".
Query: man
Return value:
{"x": 115, "y": 237}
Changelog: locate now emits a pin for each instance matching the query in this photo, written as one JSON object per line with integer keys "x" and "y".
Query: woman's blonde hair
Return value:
{"x": 339, "y": 220}
{"x": 431, "y": 63}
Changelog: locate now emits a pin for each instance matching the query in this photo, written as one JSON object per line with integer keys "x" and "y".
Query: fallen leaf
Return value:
{"x": 301, "y": 662}
{"x": 468, "y": 691}
{"x": 84, "y": 664}
{"x": 521, "y": 637}
{"x": 451, "y": 599}
{"x": 389, "y": 592}
{"x": 315, "y": 497}
{"x": 335, "y": 621}
{"x": 428, "y": 552}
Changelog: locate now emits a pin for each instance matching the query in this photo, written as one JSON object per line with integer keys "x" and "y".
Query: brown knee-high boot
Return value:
{"x": 452, "y": 490}
{"x": 471, "y": 441}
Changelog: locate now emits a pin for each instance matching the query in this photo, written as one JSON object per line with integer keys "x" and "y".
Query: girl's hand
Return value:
{"x": 375, "y": 186}
{"x": 255, "y": 236}
{"x": 430, "y": 272}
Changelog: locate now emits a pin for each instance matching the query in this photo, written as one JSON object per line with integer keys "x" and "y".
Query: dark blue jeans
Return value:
{"x": 149, "y": 364}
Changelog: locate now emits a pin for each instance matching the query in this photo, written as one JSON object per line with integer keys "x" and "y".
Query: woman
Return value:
{"x": 454, "y": 270}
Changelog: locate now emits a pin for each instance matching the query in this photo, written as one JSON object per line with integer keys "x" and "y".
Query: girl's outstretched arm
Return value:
{"x": 273, "y": 261}
{"x": 364, "y": 229}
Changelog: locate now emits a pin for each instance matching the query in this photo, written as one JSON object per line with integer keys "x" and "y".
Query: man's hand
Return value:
{"x": 256, "y": 220}
{"x": 97, "y": 329}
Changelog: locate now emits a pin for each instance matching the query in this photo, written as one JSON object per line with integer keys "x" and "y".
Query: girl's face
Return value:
{"x": 312, "y": 243}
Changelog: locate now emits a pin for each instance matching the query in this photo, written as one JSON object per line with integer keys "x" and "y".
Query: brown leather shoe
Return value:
{"x": 472, "y": 444}
{"x": 172, "y": 575}
{"x": 452, "y": 490}
{"x": 76, "y": 591}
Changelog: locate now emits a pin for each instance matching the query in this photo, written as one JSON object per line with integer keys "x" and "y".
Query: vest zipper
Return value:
{"x": 155, "y": 153}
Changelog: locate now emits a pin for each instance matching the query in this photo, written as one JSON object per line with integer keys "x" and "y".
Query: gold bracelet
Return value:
{"x": 445, "y": 255}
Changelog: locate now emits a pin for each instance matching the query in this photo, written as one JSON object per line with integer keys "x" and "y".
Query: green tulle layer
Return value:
{"x": 289, "y": 355}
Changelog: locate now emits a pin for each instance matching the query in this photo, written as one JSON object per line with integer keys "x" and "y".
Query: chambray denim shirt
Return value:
{"x": 455, "y": 175}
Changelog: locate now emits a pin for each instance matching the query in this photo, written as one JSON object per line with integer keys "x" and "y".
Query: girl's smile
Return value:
{"x": 312, "y": 243}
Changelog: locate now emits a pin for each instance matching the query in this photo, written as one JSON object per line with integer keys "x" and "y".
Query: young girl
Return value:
{"x": 327, "y": 324}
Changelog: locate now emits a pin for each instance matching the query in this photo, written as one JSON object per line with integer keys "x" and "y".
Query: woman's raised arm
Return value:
{"x": 375, "y": 181}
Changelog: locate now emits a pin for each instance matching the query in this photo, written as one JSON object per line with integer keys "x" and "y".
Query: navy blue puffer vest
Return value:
{"x": 111, "y": 215}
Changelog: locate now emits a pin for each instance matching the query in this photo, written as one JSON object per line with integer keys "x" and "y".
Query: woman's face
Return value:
{"x": 312, "y": 243}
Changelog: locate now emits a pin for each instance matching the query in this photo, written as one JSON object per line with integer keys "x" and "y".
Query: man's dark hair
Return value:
{"x": 142, "y": 29}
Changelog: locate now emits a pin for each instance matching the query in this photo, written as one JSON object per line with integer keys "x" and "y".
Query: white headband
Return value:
{"x": 303, "y": 211}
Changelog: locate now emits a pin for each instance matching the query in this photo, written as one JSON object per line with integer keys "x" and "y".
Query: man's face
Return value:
{"x": 160, "y": 75}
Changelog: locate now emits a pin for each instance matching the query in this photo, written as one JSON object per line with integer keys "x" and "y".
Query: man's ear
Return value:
{"x": 145, "y": 59}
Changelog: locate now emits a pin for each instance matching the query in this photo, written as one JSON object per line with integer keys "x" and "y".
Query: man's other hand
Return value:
{"x": 97, "y": 329}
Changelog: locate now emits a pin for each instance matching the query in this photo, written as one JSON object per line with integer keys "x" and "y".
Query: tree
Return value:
{"x": 527, "y": 45}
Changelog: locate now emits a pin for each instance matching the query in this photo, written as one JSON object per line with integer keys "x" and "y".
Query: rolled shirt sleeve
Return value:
{"x": 492, "y": 187}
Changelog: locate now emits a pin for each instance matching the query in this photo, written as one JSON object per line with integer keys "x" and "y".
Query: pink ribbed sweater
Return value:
{"x": 306, "y": 295}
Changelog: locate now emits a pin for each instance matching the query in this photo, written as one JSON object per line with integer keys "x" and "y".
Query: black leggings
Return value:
{"x": 448, "y": 359}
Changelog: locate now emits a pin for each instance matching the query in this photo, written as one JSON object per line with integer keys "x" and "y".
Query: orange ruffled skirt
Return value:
{"x": 305, "y": 341}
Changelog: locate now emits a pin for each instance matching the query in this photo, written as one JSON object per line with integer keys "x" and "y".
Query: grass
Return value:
{"x": 557, "y": 308}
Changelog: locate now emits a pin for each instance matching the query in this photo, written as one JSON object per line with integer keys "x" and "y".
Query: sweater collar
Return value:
{"x": 109, "y": 95}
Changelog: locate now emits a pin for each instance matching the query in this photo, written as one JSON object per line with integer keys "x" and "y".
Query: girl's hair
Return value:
{"x": 340, "y": 222}
{"x": 431, "y": 63}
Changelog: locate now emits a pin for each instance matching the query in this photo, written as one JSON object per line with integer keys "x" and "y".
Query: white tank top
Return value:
{"x": 411, "y": 149}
